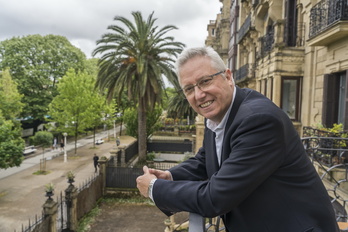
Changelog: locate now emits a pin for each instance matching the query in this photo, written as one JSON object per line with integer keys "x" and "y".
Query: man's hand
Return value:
{"x": 161, "y": 174}
{"x": 144, "y": 181}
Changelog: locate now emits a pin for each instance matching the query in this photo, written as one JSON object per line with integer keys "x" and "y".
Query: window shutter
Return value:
{"x": 345, "y": 126}
{"x": 330, "y": 100}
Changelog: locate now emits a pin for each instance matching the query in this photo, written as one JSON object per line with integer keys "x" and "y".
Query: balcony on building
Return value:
{"x": 328, "y": 22}
{"x": 244, "y": 73}
{"x": 244, "y": 29}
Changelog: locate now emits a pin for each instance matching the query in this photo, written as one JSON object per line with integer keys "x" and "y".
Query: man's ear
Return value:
{"x": 229, "y": 75}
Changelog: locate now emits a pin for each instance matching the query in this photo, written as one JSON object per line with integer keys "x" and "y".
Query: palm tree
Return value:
{"x": 135, "y": 59}
{"x": 178, "y": 106}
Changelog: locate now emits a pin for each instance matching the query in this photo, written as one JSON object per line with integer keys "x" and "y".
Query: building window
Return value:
{"x": 335, "y": 101}
{"x": 290, "y": 97}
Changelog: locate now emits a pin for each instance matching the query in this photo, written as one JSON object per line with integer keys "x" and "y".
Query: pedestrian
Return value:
{"x": 95, "y": 162}
{"x": 252, "y": 170}
{"x": 54, "y": 146}
{"x": 62, "y": 145}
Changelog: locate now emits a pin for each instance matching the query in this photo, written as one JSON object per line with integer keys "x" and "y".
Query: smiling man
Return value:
{"x": 252, "y": 169}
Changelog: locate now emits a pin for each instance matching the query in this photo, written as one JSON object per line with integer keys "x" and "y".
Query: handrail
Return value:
{"x": 196, "y": 223}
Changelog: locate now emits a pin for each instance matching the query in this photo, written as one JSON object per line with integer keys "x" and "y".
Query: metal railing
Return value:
{"x": 242, "y": 72}
{"x": 244, "y": 29}
{"x": 267, "y": 42}
{"x": 201, "y": 224}
{"x": 328, "y": 151}
{"x": 326, "y": 13}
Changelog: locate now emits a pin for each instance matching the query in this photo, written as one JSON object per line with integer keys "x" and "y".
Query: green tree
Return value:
{"x": 78, "y": 104}
{"x": 37, "y": 63}
{"x": 179, "y": 107}
{"x": 103, "y": 112}
{"x": 152, "y": 121}
{"x": 11, "y": 143}
{"x": 135, "y": 59}
{"x": 42, "y": 139}
{"x": 10, "y": 99}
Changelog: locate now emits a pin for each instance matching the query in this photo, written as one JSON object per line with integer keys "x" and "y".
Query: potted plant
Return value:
{"x": 70, "y": 177}
{"x": 49, "y": 188}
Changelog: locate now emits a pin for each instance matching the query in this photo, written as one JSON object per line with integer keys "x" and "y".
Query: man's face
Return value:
{"x": 214, "y": 101}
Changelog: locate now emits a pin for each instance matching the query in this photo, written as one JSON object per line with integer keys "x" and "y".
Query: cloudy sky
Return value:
{"x": 83, "y": 22}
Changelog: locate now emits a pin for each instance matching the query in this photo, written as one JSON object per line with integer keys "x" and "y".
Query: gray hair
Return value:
{"x": 186, "y": 55}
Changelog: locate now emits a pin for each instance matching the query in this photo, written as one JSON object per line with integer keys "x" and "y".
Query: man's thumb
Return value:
{"x": 146, "y": 170}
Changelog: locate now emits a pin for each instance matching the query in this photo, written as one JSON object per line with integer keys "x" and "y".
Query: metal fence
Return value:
{"x": 125, "y": 177}
{"x": 170, "y": 146}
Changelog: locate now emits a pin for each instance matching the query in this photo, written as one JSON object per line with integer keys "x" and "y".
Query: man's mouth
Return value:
{"x": 206, "y": 104}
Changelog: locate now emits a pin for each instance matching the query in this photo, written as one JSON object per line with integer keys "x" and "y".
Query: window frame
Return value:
{"x": 298, "y": 95}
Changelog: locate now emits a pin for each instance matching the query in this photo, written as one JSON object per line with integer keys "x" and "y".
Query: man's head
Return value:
{"x": 206, "y": 82}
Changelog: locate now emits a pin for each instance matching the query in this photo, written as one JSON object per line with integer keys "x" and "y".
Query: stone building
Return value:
{"x": 295, "y": 52}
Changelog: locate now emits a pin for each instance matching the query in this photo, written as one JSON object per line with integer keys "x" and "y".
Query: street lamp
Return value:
{"x": 65, "y": 155}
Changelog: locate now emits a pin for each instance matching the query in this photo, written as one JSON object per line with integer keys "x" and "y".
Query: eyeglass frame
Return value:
{"x": 199, "y": 82}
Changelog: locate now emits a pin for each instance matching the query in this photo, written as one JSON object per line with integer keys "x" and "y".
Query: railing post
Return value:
{"x": 196, "y": 223}
{"x": 50, "y": 209}
{"x": 102, "y": 171}
{"x": 71, "y": 203}
{"x": 123, "y": 155}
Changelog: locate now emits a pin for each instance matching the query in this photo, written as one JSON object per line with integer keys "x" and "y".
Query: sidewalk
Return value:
{"x": 50, "y": 154}
{"x": 22, "y": 193}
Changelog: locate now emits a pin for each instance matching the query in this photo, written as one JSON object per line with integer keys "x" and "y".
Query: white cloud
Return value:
{"x": 84, "y": 21}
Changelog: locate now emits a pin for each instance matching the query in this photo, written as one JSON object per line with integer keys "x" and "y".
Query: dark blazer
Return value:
{"x": 266, "y": 182}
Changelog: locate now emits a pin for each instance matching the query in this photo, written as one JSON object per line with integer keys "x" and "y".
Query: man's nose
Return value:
{"x": 198, "y": 92}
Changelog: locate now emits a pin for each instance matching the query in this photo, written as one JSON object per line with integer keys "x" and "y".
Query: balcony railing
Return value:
{"x": 199, "y": 224}
{"x": 267, "y": 42}
{"x": 244, "y": 29}
{"x": 242, "y": 72}
{"x": 325, "y": 14}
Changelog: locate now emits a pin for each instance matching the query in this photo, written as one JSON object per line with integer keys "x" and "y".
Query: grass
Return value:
{"x": 112, "y": 198}
{"x": 88, "y": 219}
{"x": 40, "y": 172}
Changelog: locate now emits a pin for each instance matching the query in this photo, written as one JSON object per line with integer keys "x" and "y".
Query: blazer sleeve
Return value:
{"x": 256, "y": 151}
{"x": 192, "y": 169}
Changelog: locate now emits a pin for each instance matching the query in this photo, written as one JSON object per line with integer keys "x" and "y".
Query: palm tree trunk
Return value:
{"x": 142, "y": 137}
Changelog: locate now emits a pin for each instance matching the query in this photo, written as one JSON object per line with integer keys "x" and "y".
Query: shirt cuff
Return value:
{"x": 150, "y": 189}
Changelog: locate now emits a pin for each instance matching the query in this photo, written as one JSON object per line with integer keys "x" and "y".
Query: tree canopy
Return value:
{"x": 11, "y": 143}
{"x": 78, "y": 105}
{"x": 37, "y": 63}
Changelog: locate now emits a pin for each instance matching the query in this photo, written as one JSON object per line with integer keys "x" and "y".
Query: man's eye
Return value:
{"x": 205, "y": 82}
{"x": 188, "y": 89}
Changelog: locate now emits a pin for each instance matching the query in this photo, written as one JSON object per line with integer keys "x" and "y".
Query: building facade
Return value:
{"x": 295, "y": 52}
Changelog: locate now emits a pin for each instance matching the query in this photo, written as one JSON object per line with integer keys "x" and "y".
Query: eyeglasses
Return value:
{"x": 202, "y": 84}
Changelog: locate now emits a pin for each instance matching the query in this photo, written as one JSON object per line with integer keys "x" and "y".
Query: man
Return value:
{"x": 95, "y": 162}
{"x": 252, "y": 169}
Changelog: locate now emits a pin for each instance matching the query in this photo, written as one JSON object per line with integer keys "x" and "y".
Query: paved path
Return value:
{"x": 22, "y": 192}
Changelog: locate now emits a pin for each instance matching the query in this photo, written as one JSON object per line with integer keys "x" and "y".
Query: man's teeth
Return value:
{"x": 206, "y": 104}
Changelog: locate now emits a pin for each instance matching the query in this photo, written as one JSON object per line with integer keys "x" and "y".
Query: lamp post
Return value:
{"x": 65, "y": 155}
{"x": 115, "y": 129}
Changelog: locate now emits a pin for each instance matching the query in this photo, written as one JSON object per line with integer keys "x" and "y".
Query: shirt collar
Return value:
{"x": 213, "y": 126}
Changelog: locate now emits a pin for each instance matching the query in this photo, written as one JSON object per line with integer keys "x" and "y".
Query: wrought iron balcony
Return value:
{"x": 242, "y": 72}
{"x": 327, "y": 15}
{"x": 244, "y": 29}
{"x": 267, "y": 42}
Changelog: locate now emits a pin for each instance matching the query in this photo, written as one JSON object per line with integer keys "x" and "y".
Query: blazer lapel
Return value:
{"x": 210, "y": 153}
{"x": 240, "y": 95}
